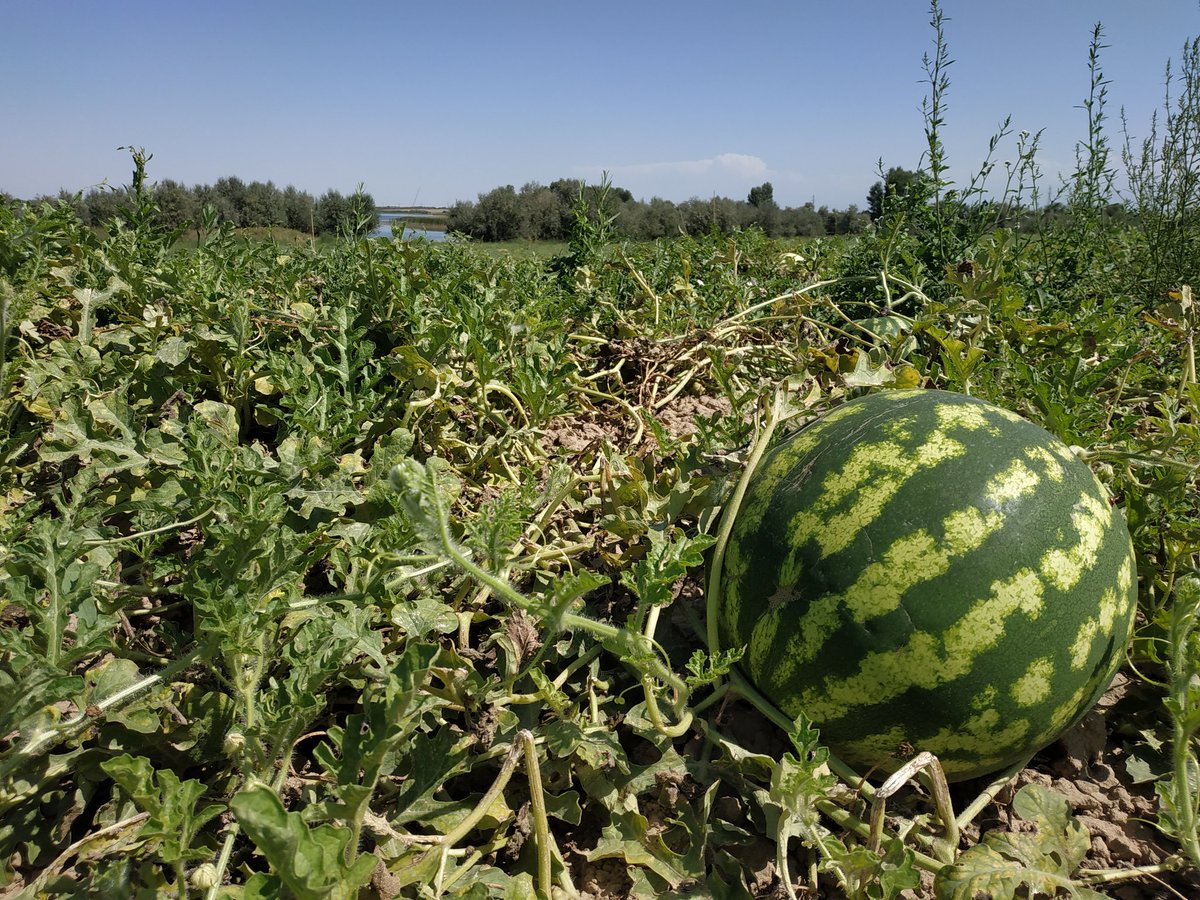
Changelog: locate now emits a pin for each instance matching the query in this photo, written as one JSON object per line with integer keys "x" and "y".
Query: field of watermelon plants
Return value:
{"x": 379, "y": 569}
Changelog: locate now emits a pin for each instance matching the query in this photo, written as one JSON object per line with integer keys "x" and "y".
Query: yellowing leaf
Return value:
{"x": 907, "y": 377}
{"x": 863, "y": 375}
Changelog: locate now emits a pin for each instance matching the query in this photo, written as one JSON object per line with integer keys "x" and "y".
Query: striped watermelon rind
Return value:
{"x": 922, "y": 570}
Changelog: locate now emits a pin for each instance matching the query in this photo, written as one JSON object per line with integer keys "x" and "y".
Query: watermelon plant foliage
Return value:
{"x": 378, "y": 566}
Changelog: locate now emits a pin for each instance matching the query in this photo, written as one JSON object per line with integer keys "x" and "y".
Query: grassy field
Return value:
{"x": 374, "y": 568}
{"x": 379, "y": 566}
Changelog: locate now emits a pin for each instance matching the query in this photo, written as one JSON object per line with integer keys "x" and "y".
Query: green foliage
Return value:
{"x": 214, "y": 598}
{"x": 1042, "y": 862}
{"x": 1164, "y": 182}
{"x": 174, "y": 207}
{"x": 550, "y": 213}
{"x": 309, "y": 862}
{"x": 1178, "y": 795}
{"x": 174, "y": 820}
{"x": 761, "y": 196}
{"x": 892, "y": 187}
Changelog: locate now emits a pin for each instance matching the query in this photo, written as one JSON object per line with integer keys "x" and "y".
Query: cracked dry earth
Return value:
{"x": 1087, "y": 766}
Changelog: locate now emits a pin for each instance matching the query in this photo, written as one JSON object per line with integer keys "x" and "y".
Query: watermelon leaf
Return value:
{"x": 877, "y": 876}
{"x": 630, "y": 838}
{"x": 1042, "y": 861}
{"x": 705, "y": 668}
{"x": 866, "y": 375}
{"x": 310, "y": 861}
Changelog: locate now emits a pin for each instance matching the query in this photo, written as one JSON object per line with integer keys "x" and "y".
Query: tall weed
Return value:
{"x": 1164, "y": 183}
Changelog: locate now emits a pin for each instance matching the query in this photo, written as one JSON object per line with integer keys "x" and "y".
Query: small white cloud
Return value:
{"x": 742, "y": 164}
{"x": 725, "y": 175}
{"x": 736, "y": 163}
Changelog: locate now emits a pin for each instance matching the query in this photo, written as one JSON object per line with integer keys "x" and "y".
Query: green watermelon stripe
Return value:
{"x": 1010, "y": 720}
{"x": 871, "y": 478}
{"x": 1092, "y": 518}
{"x": 773, "y": 469}
{"x": 1111, "y": 609}
{"x": 927, "y": 661}
{"x": 909, "y": 562}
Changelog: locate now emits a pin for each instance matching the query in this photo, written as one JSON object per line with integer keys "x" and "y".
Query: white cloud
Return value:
{"x": 726, "y": 175}
{"x": 740, "y": 164}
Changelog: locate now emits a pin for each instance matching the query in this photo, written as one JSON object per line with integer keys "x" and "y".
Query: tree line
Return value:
{"x": 535, "y": 212}
{"x": 254, "y": 205}
{"x": 545, "y": 212}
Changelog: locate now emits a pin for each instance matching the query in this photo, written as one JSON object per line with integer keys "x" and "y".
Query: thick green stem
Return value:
{"x": 1112, "y": 876}
{"x": 507, "y": 592}
{"x": 1185, "y": 809}
{"x": 537, "y": 806}
{"x": 851, "y": 822}
{"x": 652, "y": 710}
{"x": 729, "y": 515}
{"x": 174, "y": 526}
{"x": 1184, "y": 715}
{"x": 718, "y": 693}
{"x": 750, "y": 310}
{"x": 988, "y": 794}
{"x": 223, "y": 860}
{"x": 768, "y": 709}
{"x": 463, "y": 828}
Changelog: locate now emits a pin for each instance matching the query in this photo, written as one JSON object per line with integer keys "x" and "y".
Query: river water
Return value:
{"x": 411, "y": 229}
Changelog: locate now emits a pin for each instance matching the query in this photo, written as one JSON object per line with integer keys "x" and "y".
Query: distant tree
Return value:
{"x": 696, "y": 216}
{"x": 462, "y": 218}
{"x": 663, "y": 218}
{"x": 505, "y": 213}
{"x": 761, "y": 195}
{"x": 543, "y": 213}
{"x": 207, "y": 195}
{"x": 232, "y": 191}
{"x": 895, "y": 184}
{"x": 176, "y": 204}
{"x": 565, "y": 191}
{"x": 632, "y": 222}
{"x": 769, "y": 218}
{"x": 102, "y": 205}
{"x": 803, "y": 221}
{"x": 764, "y": 211}
{"x": 828, "y": 219}
{"x": 332, "y": 211}
{"x": 500, "y": 214}
{"x": 730, "y": 215}
{"x": 263, "y": 206}
{"x": 299, "y": 209}
{"x": 851, "y": 220}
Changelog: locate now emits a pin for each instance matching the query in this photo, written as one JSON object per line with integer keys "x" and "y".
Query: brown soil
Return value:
{"x": 1086, "y": 765}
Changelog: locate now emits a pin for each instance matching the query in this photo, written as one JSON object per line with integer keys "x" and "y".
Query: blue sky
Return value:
{"x": 429, "y": 102}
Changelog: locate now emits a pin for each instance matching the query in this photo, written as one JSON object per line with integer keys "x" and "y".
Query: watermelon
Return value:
{"x": 922, "y": 570}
